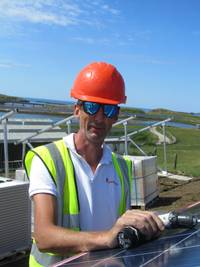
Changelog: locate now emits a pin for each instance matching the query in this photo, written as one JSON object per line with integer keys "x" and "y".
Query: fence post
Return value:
{"x": 126, "y": 139}
{"x": 69, "y": 126}
{"x": 164, "y": 148}
{"x": 175, "y": 160}
{"x": 5, "y": 141}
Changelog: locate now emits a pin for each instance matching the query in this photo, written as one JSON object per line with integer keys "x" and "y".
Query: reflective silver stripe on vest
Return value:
{"x": 124, "y": 170}
{"x": 44, "y": 259}
{"x": 66, "y": 220}
{"x": 60, "y": 172}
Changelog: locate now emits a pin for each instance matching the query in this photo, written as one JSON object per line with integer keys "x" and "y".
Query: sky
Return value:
{"x": 155, "y": 44}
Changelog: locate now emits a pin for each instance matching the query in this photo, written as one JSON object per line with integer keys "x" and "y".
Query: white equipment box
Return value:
{"x": 145, "y": 180}
{"x": 20, "y": 174}
{"x": 15, "y": 217}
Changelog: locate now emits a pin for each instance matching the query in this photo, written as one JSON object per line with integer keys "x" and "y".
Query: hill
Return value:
{"x": 178, "y": 116}
{"x": 11, "y": 99}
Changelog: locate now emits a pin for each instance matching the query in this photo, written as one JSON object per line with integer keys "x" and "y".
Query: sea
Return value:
{"x": 39, "y": 101}
{"x": 47, "y": 101}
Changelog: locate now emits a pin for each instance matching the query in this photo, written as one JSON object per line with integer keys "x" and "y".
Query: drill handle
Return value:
{"x": 129, "y": 237}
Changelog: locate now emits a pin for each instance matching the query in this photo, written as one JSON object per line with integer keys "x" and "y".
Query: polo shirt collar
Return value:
{"x": 107, "y": 153}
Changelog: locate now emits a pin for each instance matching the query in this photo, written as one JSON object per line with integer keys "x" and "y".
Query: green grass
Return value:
{"x": 187, "y": 149}
{"x": 181, "y": 117}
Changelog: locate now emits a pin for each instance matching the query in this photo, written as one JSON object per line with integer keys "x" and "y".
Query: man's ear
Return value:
{"x": 77, "y": 110}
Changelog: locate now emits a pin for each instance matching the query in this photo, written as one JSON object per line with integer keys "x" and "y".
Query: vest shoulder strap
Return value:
{"x": 124, "y": 174}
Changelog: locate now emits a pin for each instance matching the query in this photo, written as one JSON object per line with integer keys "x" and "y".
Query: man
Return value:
{"x": 80, "y": 189}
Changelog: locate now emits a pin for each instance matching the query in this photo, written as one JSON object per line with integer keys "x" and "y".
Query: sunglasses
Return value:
{"x": 91, "y": 108}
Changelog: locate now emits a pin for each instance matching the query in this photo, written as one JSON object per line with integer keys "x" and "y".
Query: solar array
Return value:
{"x": 175, "y": 248}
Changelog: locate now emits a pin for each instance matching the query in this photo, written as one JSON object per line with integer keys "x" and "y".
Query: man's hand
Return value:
{"x": 148, "y": 223}
{"x": 52, "y": 238}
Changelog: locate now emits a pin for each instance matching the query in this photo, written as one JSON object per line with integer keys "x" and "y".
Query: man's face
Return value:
{"x": 94, "y": 128}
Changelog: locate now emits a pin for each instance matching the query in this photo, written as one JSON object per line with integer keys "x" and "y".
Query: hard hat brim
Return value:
{"x": 101, "y": 100}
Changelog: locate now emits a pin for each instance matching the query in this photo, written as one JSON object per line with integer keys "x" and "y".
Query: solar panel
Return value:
{"x": 175, "y": 248}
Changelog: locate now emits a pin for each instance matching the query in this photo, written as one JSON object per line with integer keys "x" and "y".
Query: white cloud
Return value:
{"x": 160, "y": 62}
{"x": 15, "y": 14}
{"x": 91, "y": 41}
{"x": 4, "y": 65}
{"x": 10, "y": 65}
{"x": 147, "y": 60}
{"x": 87, "y": 40}
{"x": 122, "y": 39}
{"x": 110, "y": 10}
{"x": 40, "y": 11}
{"x": 58, "y": 12}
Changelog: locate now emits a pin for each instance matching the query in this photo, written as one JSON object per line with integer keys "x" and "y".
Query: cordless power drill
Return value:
{"x": 131, "y": 237}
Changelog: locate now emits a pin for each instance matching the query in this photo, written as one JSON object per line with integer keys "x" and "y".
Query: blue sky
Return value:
{"x": 155, "y": 44}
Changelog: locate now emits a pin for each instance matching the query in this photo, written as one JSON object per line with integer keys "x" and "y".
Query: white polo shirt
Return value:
{"x": 99, "y": 193}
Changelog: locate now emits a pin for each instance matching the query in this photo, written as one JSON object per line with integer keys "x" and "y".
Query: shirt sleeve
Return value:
{"x": 40, "y": 179}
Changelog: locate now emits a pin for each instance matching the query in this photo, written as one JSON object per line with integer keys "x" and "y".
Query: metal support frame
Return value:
{"x": 125, "y": 122}
{"x": 164, "y": 150}
{"x": 139, "y": 148}
{"x": 126, "y": 137}
{"x": 25, "y": 141}
{"x": 29, "y": 145}
{"x": 148, "y": 127}
{"x": 163, "y": 123}
{"x": 45, "y": 129}
{"x": 8, "y": 114}
{"x": 4, "y": 120}
{"x": 68, "y": 126}
{"x": 23, "y": 150}
{"x": 5, "y": 142}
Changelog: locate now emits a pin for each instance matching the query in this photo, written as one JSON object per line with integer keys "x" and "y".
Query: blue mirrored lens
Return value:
{"x": 110, "y": 111}
{"x": 91, "y": 107}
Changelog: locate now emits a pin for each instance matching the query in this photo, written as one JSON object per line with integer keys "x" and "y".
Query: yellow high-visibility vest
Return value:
{"x": 57, "y": 160}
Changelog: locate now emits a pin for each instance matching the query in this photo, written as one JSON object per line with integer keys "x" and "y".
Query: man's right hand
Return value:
{"x": 146, "y": 222}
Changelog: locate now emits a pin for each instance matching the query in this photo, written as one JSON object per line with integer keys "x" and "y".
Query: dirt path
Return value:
{"x": 161, "y": 137}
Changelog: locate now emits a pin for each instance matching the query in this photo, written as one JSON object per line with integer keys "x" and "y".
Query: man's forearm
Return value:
{"x": 59, "y": 240}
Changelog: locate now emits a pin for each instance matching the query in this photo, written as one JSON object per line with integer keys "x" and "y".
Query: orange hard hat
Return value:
{"x": 99, "y": 82}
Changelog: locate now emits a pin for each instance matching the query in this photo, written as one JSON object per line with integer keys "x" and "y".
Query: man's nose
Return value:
{"x": 99, "y": 115}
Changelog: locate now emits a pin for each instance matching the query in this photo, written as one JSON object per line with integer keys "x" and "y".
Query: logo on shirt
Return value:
{"x": 111, "y": 181}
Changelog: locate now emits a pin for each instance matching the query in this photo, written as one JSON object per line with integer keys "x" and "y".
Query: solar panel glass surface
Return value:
{"x": 175, "y": 248}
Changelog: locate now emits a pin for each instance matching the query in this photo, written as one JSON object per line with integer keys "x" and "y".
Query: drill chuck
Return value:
{"x": 178, "y": 220}
{"x": 174, "y": 220}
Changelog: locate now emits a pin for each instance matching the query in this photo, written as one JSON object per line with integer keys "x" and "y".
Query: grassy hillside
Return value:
{"x": 185, "y": 152}
{"x": 182, "y": 117}
{"x": 186, "y": 149}
{"x": 13, "y": 99}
